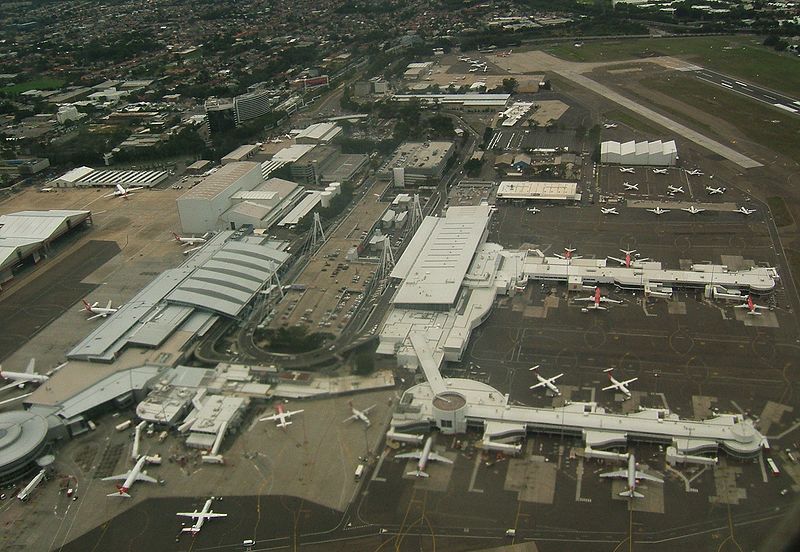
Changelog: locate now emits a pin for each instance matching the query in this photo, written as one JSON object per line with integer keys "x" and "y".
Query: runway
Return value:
{"x": 764, "y": 95}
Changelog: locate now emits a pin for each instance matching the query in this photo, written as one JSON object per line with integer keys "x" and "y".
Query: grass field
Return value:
{"x": 631, "y": 120}
{"x": 764, "y": 125}
{"x": 780, "y": 211}
{"x": 37, "y": 84}
{"x": 741, "y": 57}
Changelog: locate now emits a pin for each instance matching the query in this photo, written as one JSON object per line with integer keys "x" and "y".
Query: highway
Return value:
{"x": 758, "y": 93}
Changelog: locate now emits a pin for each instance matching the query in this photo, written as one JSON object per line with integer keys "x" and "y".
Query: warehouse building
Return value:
{"x": 87, "y": 176}
{"x": 319, "y": 133}
{"x": 325, "y": 164}
{"x": 262, "y": 206}
{"x": 201, "y": 207}
{"x": 657, "y": 153}
{"x": 415, "y": 163}
{"x": 242, "y": 153}
{"x": 26, "y": 236}
{"x": 525, "y": 191}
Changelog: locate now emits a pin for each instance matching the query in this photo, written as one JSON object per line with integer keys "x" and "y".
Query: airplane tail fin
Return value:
{"x": 631, "y": 494}
{"x": 188, "y": 530}
{"x": 176, "y": 236}
{"x": 418, "y": 473}
{"x": 86, "y": 305}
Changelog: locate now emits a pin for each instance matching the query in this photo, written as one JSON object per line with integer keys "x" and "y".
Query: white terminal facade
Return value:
{"x": 449, "y": 277}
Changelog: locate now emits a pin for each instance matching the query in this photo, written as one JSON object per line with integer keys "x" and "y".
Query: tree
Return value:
{"x": 473, "y": 166}
{"x": 510, "y": 85}
{"x": 364, "y": 364}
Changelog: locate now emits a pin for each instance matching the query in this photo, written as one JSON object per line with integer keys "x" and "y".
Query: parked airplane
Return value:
{"x": 609, "y": 210}
{"x": 533, "y": 210}
{"x": 712, "y": 191}
{"x": 545, "y": 382}
{"x": 745, "y": 211}
{"x": 98, "y": 312}
{"x": 124, "y": 192}
{"x": 659, "y": 171}
{"x": 695, "y": 172}
{"x": 627, "y": 170}
{"x": 281, "y": 416}
{"x": 628, "y": 259}
{"x": 751, "y": 307}
{"x": 596, "y": 299}
{"x": 189, "y": 241}
{"x": 19, "y": 379}
{"x": 423, "y": 457}
{"x": 620, "y": 385}
{"x": 632, "y": 187}
{"x": 130, "y": 478}
{"x": 692, "y": 209}
{"x": 568, "y": 254}
{"x": 658, "y": 211}
{"x": 610, "y": 125}
{"x": 359, "y": 414}
{"x": 633, "y": 475}
{"x": 675, "y": 190}
{"x": 200, "y": 517}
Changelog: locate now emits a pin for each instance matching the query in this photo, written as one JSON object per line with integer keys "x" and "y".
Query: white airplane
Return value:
{"x": 281, "y": 416}
{"x": 359, "y": 414}
{"x": 545, "y": 382}
{"x": 626, "y": 262}
{"x": 596, "y": 299}
{"x": 712, "y": 191}
{"x": 19, "y": 379}
{"x": 620, "y": 385}
{"x": 533, "y": 210}
{"x": 423, "y": 456}
{"x": 124, "y": 192}
{"x": 189, "y": 241}
{"x": 658, "y": 211}
{"x": 98, "y": 312}
{"x": 610, "y": 125}
{"x": 633, "y": 475}
{"x": 130, "y": 478}
{"x": 751, "y": 307}
{"x": 745, "y": 211}
{"x": 631, "y": 187}
{"x": 692, "y": 209}
{"x": 200, "y": 517}
{"x": 695, "y": 172}
{"x": 609, "y": 210}
{"x": 630, "y": 170}
{"x": 568, "y": 254}
{"x": 276, "y": 140}
{"x": 660, "y": 171}
{"x": 672, "y": 190}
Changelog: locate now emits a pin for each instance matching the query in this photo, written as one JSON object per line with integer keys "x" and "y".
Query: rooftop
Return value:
{"x": 222, "y": 179}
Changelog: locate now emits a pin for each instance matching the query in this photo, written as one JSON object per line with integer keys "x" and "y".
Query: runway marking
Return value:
{"x": 730, "y": 537}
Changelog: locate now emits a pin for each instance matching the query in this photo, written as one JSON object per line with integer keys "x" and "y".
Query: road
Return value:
{"x": 752, "y": 91}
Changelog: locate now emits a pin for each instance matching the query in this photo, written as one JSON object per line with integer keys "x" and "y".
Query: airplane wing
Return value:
{"x": 96, "y": 316}
{"x": 31, "y": 366}
{"x": 112, "y": 194}
{"x": 188, "y": 514}
{"x": 415, "y": 455}
{"x": 607, "y": 300}
{"x": 554, "y": 378}
{"x": 626, "y": 382}
{"x": 618, "y": 473}
{"x": 292, "y": 412}
{"x": 612, "y": 386}
{"x": 368, "y": 409}
{"x": 198, "y": 515}
{"x": 108, "y": 306}
{"x": 353, "y": 417}
{"x": 120, "y": 477}
{"x": 648, "y": 477}
{"x": 120, "y": 189}
{"x": 270, "y": 418}
{"x": 135, "y": 188}
{"x": 147, "y": 478}
{"x": 540, "y": 384}
{"x": 585, "y": 299}
{"x": 620, "y": 261}
{"x": 439, "y": 458}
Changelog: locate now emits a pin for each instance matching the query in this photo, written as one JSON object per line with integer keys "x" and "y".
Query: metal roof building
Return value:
{"x": 540, "y": 191}
{"x": 436, "y": 259}
{"x": 219, "y": 279}
{"x": 23, "y": 438}
{"x": 26, "y": 233}
{"x": 318, "y": 133}
{"x": 87, "y": 176}
{"x": 655, "y": 153}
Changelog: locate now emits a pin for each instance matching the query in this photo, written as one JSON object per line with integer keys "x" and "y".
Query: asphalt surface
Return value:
{"x": 764, "y": 95}
{"x": 44, "y": 297}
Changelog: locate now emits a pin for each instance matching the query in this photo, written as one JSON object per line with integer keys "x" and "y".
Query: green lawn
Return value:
{"x": 780, "y": 212}
{"x": 762, "y": 124}
{"x": 634, "y": 121}
{"x": 37, "y": 84}
{"x": 742, "y": 57}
